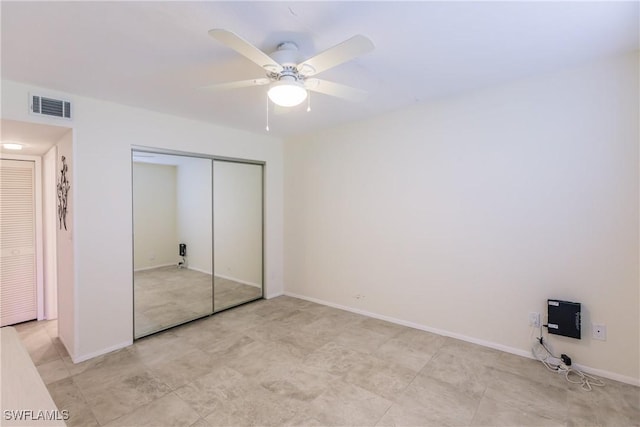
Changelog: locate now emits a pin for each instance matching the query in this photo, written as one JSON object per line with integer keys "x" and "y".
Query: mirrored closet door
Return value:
{"x": 237, "y": 219}
{"x": 197, "y": 237}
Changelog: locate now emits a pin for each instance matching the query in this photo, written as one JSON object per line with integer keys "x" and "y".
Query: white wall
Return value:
{"x": 462, "y": 216}
{"x": 194, "y": 211}
{"x": 237, "y": 199}
{"x": 49, "y": 226}
{"x": 104, "y": 132}
{"x": 66, "y": 250}
{"x": 155, "y": 238}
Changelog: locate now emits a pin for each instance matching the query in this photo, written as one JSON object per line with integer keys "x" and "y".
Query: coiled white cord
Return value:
{"x": 555, "y": 364}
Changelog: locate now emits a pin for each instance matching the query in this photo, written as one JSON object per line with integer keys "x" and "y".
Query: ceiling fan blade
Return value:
{"x": 335, "y": 89}
{"x": 245, "y": 49}
{"x": 336, "y": 55}
{"x": 237, "y": 84}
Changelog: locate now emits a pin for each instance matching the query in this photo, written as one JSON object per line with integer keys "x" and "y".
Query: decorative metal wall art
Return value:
{"x": 63, "y": 192}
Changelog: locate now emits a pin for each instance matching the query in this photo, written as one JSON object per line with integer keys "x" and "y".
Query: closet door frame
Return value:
{"x": 212, "y": 158}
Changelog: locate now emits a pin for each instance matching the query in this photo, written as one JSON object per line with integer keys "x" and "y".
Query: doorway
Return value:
{"x": 28, "y": 274}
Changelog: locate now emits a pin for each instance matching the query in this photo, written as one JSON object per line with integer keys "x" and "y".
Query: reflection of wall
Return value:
{"x": 238, "y": 221}
{"x": 194, "y": 211}
{"x": 154, "y": 215}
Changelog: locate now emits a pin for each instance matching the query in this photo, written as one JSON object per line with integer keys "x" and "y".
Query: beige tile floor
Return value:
{"x": 168, "y": 296}
{"x": 287, "y": 362}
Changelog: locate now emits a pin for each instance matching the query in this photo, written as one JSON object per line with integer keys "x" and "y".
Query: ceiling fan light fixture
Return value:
{"x": 287, "y": 93}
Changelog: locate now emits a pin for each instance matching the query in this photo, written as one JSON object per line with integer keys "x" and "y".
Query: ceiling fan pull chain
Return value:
{"x": 308, "y": 101}
{"x": 267, "y": 114}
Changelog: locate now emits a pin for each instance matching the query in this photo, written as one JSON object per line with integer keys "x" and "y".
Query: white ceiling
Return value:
{"x": 156, "y": 55}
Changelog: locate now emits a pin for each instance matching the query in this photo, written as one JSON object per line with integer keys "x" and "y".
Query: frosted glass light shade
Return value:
{"x": 287, "y": 94}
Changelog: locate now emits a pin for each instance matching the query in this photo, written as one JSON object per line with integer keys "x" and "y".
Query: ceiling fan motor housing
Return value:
{"x": 286, "y": 54}
{"x": 288, "y": 74}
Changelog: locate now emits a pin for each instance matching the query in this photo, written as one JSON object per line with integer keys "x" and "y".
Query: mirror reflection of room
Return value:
{"x": 192, "y": 217}
{"x": 172, "y": 240}
{"x": 237, "y": 201}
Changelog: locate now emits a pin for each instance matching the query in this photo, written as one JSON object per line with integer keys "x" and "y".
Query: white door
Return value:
{"x": 18, "y": 301}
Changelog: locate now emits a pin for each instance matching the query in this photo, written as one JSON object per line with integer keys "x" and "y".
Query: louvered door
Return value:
{"x": 17, "y": 242}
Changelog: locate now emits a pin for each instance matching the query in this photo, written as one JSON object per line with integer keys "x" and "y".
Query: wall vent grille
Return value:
{"x": 50, "y": 107}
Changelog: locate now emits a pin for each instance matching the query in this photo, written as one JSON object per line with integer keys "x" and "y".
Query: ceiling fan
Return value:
{"x": 288, "y": 76}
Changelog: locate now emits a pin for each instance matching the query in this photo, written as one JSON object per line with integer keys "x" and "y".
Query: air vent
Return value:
{"x": 50, "y": 107}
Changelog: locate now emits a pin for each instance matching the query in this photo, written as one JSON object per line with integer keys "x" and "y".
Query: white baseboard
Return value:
{"x": 91, "y": 355}
{"x": 199, "y": 270}
{"x": 188, "y": 267}
{"x": 274, "y": 295}
{"x": 63, "y": 340}
{"x": 607, "y": 374}
{"x": 154, "y": 267}
{"x": 517, "y": 351}
{"x": 244, "y": 282}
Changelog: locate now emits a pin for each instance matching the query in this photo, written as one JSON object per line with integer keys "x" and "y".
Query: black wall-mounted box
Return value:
{"x": 564, "y": 318}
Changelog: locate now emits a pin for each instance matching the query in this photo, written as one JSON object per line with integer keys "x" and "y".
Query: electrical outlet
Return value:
{"x": 599, "y": 331}
{"x": 534, "y": 319}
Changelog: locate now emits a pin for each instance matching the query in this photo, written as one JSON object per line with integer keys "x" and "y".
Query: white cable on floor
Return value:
{"x": 555, "y": 364}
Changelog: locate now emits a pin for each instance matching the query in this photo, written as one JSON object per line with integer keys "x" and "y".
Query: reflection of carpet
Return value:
{"x": 168, "y": 296}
